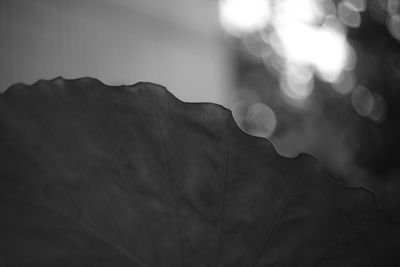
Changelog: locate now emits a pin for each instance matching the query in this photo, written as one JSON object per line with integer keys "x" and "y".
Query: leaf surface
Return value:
{"x": 94, "y": 175}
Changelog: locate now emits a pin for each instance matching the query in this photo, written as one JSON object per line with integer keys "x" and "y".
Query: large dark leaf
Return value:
{"x": 93, "y": 175}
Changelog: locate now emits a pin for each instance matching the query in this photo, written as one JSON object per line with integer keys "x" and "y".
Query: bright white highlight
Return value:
{"x": 306, "y": 36}
{"x": 239, "y": 17}
{"x": 330, "y": 54}
{"x": 323, "y": 47}
{"x": 306, "y": 11}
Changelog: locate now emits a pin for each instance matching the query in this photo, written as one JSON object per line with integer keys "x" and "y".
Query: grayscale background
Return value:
{"x": 315, "y": 76}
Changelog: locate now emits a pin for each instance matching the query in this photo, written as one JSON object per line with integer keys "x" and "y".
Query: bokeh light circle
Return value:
{"x": 362, "y": 100}
{"x": 261, "y": 120}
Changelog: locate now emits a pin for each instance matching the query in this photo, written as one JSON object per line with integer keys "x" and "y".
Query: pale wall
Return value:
{"x": 177, "y": 43}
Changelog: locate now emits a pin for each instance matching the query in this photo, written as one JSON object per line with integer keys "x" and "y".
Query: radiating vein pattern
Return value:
{"x": 97, "y": 175}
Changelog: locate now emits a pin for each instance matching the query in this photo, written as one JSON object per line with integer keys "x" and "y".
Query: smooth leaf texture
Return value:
{"x": 94, "y": 175}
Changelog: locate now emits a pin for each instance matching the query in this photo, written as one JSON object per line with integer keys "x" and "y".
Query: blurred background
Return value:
{"x": 315, "y": 76}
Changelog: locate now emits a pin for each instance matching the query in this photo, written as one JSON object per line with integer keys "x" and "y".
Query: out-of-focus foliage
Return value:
{"x": 328, "y": 72}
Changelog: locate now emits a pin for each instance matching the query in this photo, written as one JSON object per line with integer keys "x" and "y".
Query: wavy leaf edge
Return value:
{"x": 308, "y": 157}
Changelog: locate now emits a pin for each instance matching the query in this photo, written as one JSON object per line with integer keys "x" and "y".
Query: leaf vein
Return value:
{"x": 121, "y": 170}
{"x": 172, "y": 186}
{"x": 329, "y": 250}
{"x": 222, "y": 196}
{"x": 101, "y": 236}
{"x": 274, "y": 223}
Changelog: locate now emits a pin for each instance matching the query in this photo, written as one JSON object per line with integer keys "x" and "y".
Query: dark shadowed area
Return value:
{"x": 94, "y": 175}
